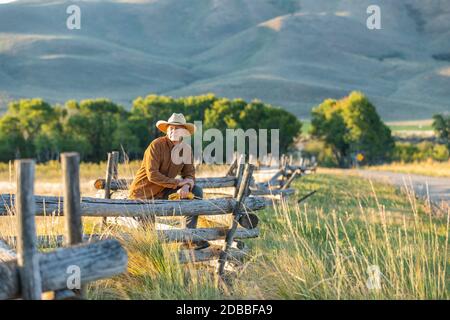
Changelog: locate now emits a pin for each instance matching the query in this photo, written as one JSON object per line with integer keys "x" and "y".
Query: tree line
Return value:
{"x": 350, "y": 130}
{"x": 35, "y": 128}
{"x": 341, "y": 130}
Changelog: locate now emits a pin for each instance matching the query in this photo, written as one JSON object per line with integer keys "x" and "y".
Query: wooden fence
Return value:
{"x": 20, "y": 276}
{"x": 241, "y": 206}
{"x": 25, "y": 272}
{"x": 278, "y": 185}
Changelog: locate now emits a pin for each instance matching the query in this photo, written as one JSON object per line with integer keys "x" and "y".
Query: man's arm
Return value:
{"x": 152, "y": 157}
{"x": 188, "y": 171}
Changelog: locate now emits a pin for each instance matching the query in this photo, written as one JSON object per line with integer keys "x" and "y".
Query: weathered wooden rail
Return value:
{"x": 282, "y": 179}
{"x": 28, "y": 273}
{"x": 274, "y": 187}
{"x": 170, "y": 235}
{"x": 94, "y": 207}
{"x": 95, "y": 261}
{"x": 241, "y": 208}
{"x": 214, "y": 182}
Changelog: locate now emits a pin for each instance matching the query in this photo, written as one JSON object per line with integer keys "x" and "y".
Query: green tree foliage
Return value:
{"x": 238, "y": 114}
{"x": 33, "y": 128}
{"x": 100, "y": 125}
{"x": 258, "y": 115}
{"x": 410, "y": 152}
{"x": 25, "y": 122}
{"x": 350, "y": 126}
{"x": 441, "y": 125}
{"x": 146, "y": 111}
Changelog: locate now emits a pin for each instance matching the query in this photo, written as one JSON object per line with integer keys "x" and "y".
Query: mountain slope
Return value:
{"x": 287, "y": 52}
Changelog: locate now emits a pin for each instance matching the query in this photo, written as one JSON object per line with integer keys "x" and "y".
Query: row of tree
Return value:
{"x": 34, "y": 128}
{"x": 345, "y": 129}
{"x": 441, "y": 125}
{"x": 350, "y": 130}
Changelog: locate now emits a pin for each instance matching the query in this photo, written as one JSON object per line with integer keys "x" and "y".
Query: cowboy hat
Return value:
{"x": 176, "y": 119}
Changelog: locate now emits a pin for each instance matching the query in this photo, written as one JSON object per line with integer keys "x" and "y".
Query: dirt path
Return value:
{"x": 438, "y": 188}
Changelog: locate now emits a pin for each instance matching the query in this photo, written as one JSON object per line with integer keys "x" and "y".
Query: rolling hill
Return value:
{"x": 291, "y": 53}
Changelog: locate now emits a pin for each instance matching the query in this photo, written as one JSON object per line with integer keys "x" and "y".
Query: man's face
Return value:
{"x": 175, "y": 133}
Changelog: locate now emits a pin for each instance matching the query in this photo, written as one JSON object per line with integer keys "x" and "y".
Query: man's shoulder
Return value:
{"x": 157, "y": 142}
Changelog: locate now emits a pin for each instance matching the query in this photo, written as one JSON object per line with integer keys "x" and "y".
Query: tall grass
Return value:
{"x": 427, "y": 168}
{"x": 154, "y": 272}
{"x": 308, "y": 252}
{"x": 322, "y": 255}
{"x": 326, "y": 248}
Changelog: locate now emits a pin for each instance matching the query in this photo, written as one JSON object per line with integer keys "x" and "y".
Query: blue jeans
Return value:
{"x": 191, "y": 221}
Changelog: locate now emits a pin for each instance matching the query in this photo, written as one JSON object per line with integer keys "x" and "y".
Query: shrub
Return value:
{"x": 351, "y": 126}
{"x": 409, "y": 152}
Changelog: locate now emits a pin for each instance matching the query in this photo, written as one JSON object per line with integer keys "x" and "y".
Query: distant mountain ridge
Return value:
{"x": 291, "y": 53}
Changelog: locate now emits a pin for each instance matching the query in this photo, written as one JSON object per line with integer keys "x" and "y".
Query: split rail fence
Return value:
{"x": 24, "y": 271}
{"x": 28, "y": 272}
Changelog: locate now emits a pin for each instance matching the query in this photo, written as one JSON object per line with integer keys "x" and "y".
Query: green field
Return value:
{"x": 420, "y": 125}
{"x": 322, "y": 249}
{"x": 306, "y": 126}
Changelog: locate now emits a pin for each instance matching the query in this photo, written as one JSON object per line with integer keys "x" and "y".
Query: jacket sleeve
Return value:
{"x": 152, "y": 158}
{"x": 188, "y": 170}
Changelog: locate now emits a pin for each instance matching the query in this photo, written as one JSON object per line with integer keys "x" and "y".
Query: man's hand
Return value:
{"x": 184, "y": 191}
{"x": 188, "y": 182}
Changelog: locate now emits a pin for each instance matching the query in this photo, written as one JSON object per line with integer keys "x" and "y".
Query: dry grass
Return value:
{"x": 48, "y": 175}
{"x": 428, "y": 168}
{"x": 319, "y": 250}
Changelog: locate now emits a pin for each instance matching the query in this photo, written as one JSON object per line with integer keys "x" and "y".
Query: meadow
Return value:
{"x": 426, "y": 168}
{"x": 325, "y": 248}
{"x": 322, "y": 249}
{"x": 418, "y": 125}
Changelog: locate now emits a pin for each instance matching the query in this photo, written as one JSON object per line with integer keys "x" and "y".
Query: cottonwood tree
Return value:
{"x": 441, "y": 125}
{"x": 351, "y": 126}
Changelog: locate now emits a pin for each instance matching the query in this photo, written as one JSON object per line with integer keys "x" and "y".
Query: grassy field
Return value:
{"x": 429, "y": 168}
{"x": 322, "y": 249}
{"x": 419, "y": 125}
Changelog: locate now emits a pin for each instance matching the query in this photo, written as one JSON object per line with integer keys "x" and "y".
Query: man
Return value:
{"x": 156, "y": 178}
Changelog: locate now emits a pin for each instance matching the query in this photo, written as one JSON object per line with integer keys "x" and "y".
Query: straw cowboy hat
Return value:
{"x": 176, "y": 119}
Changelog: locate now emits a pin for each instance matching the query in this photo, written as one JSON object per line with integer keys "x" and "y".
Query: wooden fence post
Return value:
{"x": 111, "y": 171}
{"x": 290, "y": 180}
{"x": 115, "y": 157}
{"x": 72, "y": 211}
{"x": 285, "y": 169}
{"x": 232, "y": 168}
{"x": 239, "y": 173}
{"x": 302, "y": 162}
{"x": 27, "y": 252}
{"x": 243, "y": 191}
{"x": 108, "y": 176}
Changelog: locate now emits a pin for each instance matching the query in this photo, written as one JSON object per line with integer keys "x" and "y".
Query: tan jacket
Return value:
{"x": 158, "y": 172}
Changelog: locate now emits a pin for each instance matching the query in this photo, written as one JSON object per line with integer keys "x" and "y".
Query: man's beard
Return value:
{"x": 178, "y": 135}
{"x": 175, "y": 137}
